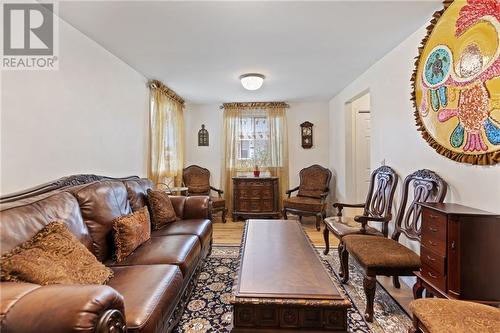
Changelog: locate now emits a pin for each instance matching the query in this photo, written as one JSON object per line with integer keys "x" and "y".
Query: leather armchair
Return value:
{"x": 86, "y": 308}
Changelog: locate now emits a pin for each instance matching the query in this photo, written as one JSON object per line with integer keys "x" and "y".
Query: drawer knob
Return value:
{"x": 432, "y": 216}
{"x": 432, "y": 275}
{"x": 430, "y": 258}
{"x": 453, "y": 245}
{"x": 433, "y": 229}
{"x": 431, "y": 243}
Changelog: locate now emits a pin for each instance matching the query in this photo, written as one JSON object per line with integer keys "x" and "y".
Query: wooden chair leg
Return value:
{"x": 340, "y": 249}
{"x": 300, "y": 218}
{"x": 326, "y": 237}
{"x": 224, "y": 212}
{"x": 418, "y": 289}
{"x": 344, "y": 264}
{"x": 395, "y": 282}
{"x": 284, "y": 214}
{"x": 318, "y": 222}
{"x": 369, "y": 284}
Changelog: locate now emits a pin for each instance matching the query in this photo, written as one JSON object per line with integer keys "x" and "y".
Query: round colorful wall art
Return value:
{"x": 457, "y": 82}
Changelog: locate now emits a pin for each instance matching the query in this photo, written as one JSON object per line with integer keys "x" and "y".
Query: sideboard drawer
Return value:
{"x": 434, "y": 244}
{"x": 432, "y": 260}
{"x": 434, "y": 224}
{"x": 436, "y": 278}
{"x": 255, "y": 197}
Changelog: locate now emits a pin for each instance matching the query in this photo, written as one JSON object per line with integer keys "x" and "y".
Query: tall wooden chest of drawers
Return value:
{"x": 459, "y": 252}
{"x": 255, "y": 197}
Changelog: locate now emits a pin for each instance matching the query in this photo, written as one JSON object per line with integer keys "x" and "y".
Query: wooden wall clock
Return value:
{"x": 306, "y": 129}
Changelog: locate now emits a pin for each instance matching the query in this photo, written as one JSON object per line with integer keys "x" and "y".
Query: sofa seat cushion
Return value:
{"x": 342, "y": 226}
{"x": 443, "y": 315}
{"x": 380, "y": 253}
{"x": 304, "y": 204}
{"x": 150, "y": 292}
{"x": 181, "y": 250}
{"x": 198, "y": 227}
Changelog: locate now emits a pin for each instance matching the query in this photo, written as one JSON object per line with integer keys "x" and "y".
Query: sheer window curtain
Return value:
{"x": 166, "y": 155}
{"x": 275, "y": 161}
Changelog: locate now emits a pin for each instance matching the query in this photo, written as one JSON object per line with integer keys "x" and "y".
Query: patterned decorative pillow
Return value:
{"x": 53, "y": 256}
{"x": 130, "y": 231}
{"x": 160, "y": 206}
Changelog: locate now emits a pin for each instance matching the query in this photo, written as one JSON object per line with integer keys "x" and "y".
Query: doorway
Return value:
{"x": 358, "y": 147}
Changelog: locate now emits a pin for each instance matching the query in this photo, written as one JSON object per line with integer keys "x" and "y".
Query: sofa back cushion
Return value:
{"x": 21, "y": 221}
{"x": 137, "y": 192}
{"x": 101, "y": 203}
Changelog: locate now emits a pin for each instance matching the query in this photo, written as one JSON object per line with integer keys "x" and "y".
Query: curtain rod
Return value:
{"x": 253, "y": 105}
{"x": 156, "y": 84}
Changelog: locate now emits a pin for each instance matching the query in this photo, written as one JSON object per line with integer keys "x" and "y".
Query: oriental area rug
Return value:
{"x": 208, "y": 309}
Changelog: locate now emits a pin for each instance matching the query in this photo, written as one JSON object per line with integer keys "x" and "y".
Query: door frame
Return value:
{"x": 350, "y": 145}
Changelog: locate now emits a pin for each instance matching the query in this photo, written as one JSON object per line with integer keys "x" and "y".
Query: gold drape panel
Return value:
{"x": 166, "y": 152}
{"x": 277, "y": 146}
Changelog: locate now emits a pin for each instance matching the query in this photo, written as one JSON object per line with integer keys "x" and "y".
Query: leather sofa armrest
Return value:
{"x": 197, "y": 207}
{"x": 27, "y": 307}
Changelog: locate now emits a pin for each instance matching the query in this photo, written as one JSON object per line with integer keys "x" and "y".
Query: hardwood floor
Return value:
{"x": 230, "y": 233}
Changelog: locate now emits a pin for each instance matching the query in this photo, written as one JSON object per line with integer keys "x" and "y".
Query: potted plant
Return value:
{"x": 256, "y": 171}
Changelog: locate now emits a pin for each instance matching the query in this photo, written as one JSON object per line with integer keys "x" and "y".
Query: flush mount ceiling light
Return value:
{"x": 252, "y": 81}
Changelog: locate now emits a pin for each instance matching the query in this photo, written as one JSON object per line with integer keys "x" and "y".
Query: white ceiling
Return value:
{"x": 307, "y": 50}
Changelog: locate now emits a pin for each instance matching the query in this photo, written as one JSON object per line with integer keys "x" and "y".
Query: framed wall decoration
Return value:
{"x": 306, "y": 131}
{"x": 456, "y": 83}
{"x": 203, "y": 138}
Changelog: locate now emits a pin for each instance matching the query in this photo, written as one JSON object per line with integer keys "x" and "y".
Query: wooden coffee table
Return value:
{"x": 282, "y": 285}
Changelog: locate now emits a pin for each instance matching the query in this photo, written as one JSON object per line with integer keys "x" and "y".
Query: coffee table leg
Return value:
{"x": 327, "y": 240}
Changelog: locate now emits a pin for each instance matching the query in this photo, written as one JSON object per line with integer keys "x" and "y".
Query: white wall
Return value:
{"x": 208, "y": 157}
{"x": 211, "y": 158}
{"x": 395, "y": 138}
{"x": 90, "y": 116}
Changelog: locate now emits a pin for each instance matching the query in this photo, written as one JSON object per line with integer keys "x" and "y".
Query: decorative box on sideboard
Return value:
{"x": 460, "y": 251}
{"x": 255, "y": 197}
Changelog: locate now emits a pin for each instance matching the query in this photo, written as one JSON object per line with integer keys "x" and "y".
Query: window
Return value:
{"x": 253, "y": 139}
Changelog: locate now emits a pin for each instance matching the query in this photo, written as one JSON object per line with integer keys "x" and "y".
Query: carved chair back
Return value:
{"x": 426, "y": 186}
{"x": 314, "y": 181}
{"x": 383, "y": 183}
{"x": 196, "y": 179}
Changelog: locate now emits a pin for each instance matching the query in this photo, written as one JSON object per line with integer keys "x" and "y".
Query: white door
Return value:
{"x": 362, "y": 167}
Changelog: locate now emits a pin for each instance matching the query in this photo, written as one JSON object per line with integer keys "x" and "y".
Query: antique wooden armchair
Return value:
{"x": 386, "y": 256}
{"x": 197, "y": 180}
{"x": 437, "y": 315}
{"x": 311, "y": 196}
{"x": 377, "y": 208}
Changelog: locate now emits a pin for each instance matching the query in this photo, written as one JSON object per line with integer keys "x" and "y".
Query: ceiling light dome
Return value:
{"x": 252, "y": 81}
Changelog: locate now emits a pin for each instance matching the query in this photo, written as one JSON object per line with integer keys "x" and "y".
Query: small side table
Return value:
{"x": 177, "y": 190}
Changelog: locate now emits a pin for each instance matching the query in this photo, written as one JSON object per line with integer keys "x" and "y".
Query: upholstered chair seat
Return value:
{"x": 436, "y": 315}
{"x": 304, "y": 203}
{"x": 311, "y": 194}
{"x": 197, "y": 180}
{"x": 378, "y": 254}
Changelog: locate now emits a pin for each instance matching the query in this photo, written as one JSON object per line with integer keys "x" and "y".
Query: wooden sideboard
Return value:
{"x": 255, "y": 197}
{"x": 459, "y": 253}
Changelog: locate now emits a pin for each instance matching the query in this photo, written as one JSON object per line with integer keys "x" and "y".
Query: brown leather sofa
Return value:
{"x": 148, "y": 291}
